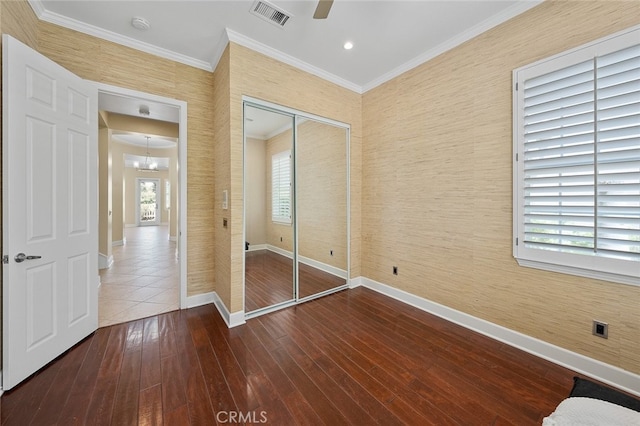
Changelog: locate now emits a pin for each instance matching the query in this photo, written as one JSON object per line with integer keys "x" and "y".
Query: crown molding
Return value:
{"x": 494, "y": 21}
{"x": 37, "y": 6}
{"x": 256, "y": 46}
{"x": 232, "y": 36}
{"x": 73, "y": 24}
{"x": 222, "y": 45}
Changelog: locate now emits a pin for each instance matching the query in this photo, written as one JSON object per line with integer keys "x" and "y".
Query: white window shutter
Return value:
{"x": 618, "y": 154}
{"x": 577, "y": 169}
{"x": 558, "y": 159}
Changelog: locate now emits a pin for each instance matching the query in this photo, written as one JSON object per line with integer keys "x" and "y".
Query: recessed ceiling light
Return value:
{"x": 348, "y": 45}
{"x": 140, "y": 24}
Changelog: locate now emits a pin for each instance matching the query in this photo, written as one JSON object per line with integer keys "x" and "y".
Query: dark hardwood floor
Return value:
{"x": 354, "y": 357}
{"x": 269, "y": 279}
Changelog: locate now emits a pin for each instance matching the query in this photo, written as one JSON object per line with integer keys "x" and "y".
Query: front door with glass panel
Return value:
{"x": 148, "y": 202}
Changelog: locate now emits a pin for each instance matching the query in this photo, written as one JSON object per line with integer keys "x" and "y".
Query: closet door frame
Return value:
{"x": 297, "y": 115}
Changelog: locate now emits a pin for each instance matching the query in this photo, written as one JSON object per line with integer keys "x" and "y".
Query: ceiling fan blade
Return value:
{"x": 322, "y": 11}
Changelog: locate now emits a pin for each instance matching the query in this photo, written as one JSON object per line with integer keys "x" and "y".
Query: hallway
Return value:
{"x": 143, "y": 280}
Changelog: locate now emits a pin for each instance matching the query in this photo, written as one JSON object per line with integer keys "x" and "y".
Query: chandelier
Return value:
{"x": 148, "y": 165}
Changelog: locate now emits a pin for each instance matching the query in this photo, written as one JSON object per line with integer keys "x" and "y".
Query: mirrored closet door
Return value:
{"x": 269, "y": 238}
{"x": 321, "y": 206}
{"x": 296, "y": 184}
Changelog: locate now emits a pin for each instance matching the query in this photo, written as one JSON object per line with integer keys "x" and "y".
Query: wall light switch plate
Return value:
{"x": 225, "y": 199}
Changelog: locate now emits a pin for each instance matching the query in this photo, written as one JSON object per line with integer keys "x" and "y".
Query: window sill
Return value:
{"x": 587, "y": 273}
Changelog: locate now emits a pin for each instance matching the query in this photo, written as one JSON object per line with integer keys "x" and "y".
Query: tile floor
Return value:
{"x": 143, "y": 280}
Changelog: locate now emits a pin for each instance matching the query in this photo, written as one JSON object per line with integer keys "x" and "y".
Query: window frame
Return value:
{"x": 591, "y": 266}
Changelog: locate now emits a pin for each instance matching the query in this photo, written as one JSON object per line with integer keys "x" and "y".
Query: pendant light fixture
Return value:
{"x": 148, "y": 165}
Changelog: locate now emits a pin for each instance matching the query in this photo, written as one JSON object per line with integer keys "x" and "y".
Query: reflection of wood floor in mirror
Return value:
{"x": 269, "y": 280}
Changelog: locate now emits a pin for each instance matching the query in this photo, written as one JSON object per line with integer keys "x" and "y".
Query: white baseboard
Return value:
{"x": 1, "y": 391}
{"x": 201, "y": 299}
{"x": 280, "y": 251}
{"x": 598, "y": 370}
{"x": 119, "y": 242}
{"x": 232, "y": 320}
{"x": 256, "y": 247}
{"x": 104, "y": 262}
{"x": 323, "y": 267}
{"x": 306, "y": 260}
{"x": 355, "y": 282}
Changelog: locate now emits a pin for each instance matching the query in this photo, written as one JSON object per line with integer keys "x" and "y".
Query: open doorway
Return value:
{"x": 142, "y": 156}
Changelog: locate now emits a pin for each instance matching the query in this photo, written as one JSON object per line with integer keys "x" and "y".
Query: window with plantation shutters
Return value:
{"x": 577, "y": 168}
{"x": 281, "y": 187}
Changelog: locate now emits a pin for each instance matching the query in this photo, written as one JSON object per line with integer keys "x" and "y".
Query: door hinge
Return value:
{"x": 516, "y": 86}
{"x": 516, "y": 241}
{"x": 516, "y": 156}
{"x": 5, "y": 259}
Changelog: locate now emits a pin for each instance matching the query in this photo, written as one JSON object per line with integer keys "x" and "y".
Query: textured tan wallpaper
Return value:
{"x": 222, "y": 136}
{"x": 437, "y": 187}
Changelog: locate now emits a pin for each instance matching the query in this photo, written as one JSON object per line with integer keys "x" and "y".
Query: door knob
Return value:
{"x": 21, "y": 257}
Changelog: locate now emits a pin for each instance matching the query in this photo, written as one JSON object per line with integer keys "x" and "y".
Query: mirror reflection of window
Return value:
{"x": 281, "y": 187}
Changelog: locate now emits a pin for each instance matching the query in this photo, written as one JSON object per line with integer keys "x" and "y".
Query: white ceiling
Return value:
{"x": 389, "y": 37}
{"x": 263, "y": 124}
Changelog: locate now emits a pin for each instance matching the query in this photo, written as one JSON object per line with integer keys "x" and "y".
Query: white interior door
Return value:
{"x": 49, "y": 190}
{"x": 148, "y": 201}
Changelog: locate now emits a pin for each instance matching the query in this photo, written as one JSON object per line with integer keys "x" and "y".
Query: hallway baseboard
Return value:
{"x": 104, "y": 262}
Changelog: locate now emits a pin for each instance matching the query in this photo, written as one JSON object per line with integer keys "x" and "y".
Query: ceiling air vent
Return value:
{"x": 270, "y": 13}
